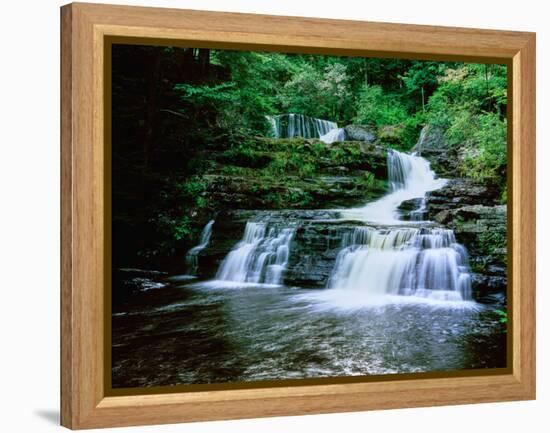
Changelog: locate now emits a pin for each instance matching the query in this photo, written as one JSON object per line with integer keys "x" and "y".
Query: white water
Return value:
{"x": 337, "y": 134}
{"x": 191, "y": 257}
{"x": 411, "y": 261}
{"x": 260, "y": 257}
{"x": 298, "y": 125}
{"x": 426, "y": 263}
{"x": 410, "y": 177}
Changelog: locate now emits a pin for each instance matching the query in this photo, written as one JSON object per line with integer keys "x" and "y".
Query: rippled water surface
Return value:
{"x": 192, "y": 333}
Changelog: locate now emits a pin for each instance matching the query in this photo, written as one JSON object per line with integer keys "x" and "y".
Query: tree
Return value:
{"x": 335, "y": 88}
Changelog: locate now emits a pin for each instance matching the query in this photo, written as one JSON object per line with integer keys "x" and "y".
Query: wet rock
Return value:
{"x": 483, "y": 231}
{"x": 314, "y": 250}
{"x": 128, "y": 272}
{"x": 128, "y": 281}
{"x": 360, "y": 133}
{"x": 458, "y": 193}
{"x": 412, "y": 210}
{"x": 431, "y": 138}
{"x": 432, "y": 146}
{"x": 484, "y": 285}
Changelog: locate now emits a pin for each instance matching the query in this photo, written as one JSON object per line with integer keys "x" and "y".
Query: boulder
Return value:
{"x": 431, "y": 145}
{"x": 360, "y": 133}
{"x": 431, "y": 138}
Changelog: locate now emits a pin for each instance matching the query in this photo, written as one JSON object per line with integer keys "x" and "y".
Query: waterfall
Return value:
{"x": 260, "y": 257}
{"x": 273, "y": 126}
{"x": 299, "y": 125}
{"x": 418, "y": 213}
{"x": 412, "y": 261}
{"x": 191, "y": 257}
{"x": 427, "y": 263}
{"x": 409, "y": 177}
{"x": 418, "y": 261}
{"x": 336, "y": 134}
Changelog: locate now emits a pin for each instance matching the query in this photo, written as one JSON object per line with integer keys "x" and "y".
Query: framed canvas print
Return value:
{"x": 268, "y": 216}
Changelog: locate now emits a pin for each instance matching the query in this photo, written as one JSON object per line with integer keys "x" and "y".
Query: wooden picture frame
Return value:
{"x": 84, "y": 227}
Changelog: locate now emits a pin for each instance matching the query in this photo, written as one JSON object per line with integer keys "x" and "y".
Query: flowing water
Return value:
{"x": 336, "y": 134}
{"x": 260, "y": 257}
{"x": 398, "y": 300}
{"x": 192, "y": 255}
{"x": 410, "y": 177}
{"x": 298, "y": 125}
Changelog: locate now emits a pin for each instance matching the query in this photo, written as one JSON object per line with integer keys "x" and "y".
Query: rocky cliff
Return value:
{"x": 473, "y": 210}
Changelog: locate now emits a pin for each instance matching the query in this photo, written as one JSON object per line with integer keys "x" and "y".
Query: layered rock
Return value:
{"x": 340, "y": 177}
{"x": 460, "y": 192}
{"x": 470, "y": 209}
{"x": 481, "y": 228}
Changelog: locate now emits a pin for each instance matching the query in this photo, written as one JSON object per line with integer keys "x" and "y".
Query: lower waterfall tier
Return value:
{"x": 426, "y": 262}
{"x": 420, "y": 262}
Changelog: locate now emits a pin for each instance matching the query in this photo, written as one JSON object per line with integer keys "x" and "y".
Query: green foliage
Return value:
{"x": 245, "y": 156}
{"x": 294, "y": 198}
{"x": 502, "y": 315}
{"x": 285, "y": 163}
{"x": 504, "y": 195}
{"x": 420, "y": 80}
{"x": 485, "y": 155}
{"x": 231, "y": 170}
{"x": 318, "y": 93}
{"x": 492, "y": 242}
{"x": 368, "y": 180}
{"x": 207, "y": 95}
{"x": 470, "y": 104}
{"x": 378, "y": 108}
{"x": 182, "y": 228}
{"x": 190, "y": 191}
{"x": 172, "y": 229}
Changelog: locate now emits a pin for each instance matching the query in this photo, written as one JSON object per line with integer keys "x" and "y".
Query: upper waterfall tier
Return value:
{"x": 410, "y": 177}
{"x": 299, "y": 125}
{"x": 337, "y": 134}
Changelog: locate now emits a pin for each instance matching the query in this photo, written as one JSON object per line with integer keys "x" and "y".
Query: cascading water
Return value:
{"x": 260, "y": 257}
{"x": 409, "y": 177}
{"x": 191, "y": 257}
{"x": 413, "y": 261}
{"x": 403, "y": 261}
{"x": 386, "y": 259}
{"x": 299, "y": 125}
{"x": 337, "y": 134}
